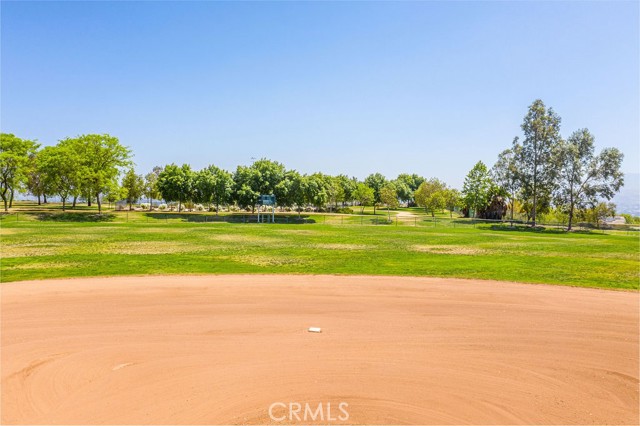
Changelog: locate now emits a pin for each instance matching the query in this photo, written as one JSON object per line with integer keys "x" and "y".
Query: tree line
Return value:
{"x": 216, "y": 187}
{"x": 97, "y": 167}
{"x": 543, "y": 170}
{"x": 539, "y": 172}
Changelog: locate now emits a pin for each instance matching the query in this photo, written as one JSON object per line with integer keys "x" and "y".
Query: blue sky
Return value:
{"x": 351, "y": 87}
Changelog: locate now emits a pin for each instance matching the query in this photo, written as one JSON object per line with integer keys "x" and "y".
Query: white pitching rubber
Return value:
{"x": 315, "y": 330}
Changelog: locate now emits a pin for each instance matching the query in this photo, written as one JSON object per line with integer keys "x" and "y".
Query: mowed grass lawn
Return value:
{"x": 40, "y": 250}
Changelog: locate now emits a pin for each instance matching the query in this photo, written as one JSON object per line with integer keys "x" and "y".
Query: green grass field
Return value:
{"x": 33, "y": 248}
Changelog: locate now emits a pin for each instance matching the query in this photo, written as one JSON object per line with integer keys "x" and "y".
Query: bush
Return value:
{"x": 144, "y": 206}
{"x": 630, "y": 218}
{"x": 199, "y": 207}
{"x": 344, "y": 210}
{"x": 162, "y": 207}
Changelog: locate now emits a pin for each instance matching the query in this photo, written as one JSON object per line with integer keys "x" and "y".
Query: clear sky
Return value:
{"x": 338, "y": 87}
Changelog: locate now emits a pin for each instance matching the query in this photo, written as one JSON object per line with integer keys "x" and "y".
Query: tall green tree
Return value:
{"x": 114, "y": 193}
{"x": 268, "y": 174}
{"x": 348, "y": 187}
{"x": 407, "y": 185}
{"x": 375, "y": 181}
{"x": 364, "y": 195}
{"x": 315, "y": 188}
{"x": 60, "y": 170}
{"x": 175, "y": 183}
{"x": 223, "y": 189}
{"x": 541, "y": 128}
{"x": 204, "y": 182}
{"x": 335, "y": 191}
{"x": 505, "y": 173}
{"x": 151, "y": 185}
{"x": 102, "y": 159}
{"x": 583, "y": 176}
{"x": 389, "y": 197}
{"x": 292, "y": 188}
{"x": 261, "y": 178}
{"x": 598, "y": 212}
{"x": 15, "y": 165}
{"x": 35, "y": 178}
{"x": 213, "y": 185}
{"x": 284, "y": 190}
{"x": 246, "y": 190}
{"x": 133, "y": 186}
{"x": 431, "y": 195}
{"x": 452, "y": 200}
{"x": 476, "y": 189}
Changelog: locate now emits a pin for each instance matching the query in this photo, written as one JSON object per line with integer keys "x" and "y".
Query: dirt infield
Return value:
{"x": 226, "y": 349}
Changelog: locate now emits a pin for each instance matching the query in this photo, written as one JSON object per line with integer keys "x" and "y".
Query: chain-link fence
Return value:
{"x": 395, "y": 219}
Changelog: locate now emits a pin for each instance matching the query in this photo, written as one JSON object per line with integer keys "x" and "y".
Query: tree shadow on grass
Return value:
{"x": 540, "y": 230}
{"x": 74, "y": 217}
{"x": 231, "y": 218}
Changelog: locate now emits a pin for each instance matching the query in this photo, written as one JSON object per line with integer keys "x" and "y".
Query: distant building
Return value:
{"x": 616, "y": 220}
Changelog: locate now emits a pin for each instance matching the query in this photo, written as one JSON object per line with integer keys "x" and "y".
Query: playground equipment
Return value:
{"x": 267, "y": 200}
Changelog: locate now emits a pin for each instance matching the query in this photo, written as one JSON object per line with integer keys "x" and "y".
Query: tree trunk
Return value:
{"x": 63, "y": 203}
{"x": 179, "y": 204}
{"x": 11, "y": 199}
{"x": 571, "y": 207}
{"x": 570, "y": 218}
{"x": 99, "y": 204}
{"x": 38, "y": 199}
{"x": 75, "y": 198}
{"x": 4, "y": 199}
{"x": 217, "y": 208}
{"x": 513, "y": 205}
{"x": 475, "y": 207}
{"x": 535, "y": 195}
{"x": 44, "y": 196}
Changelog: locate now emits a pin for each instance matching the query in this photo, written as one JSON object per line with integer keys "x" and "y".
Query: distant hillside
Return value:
{"x": 628, "y": 199}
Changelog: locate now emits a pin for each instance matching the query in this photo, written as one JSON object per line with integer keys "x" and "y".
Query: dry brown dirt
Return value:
{"x": 223, "y": 349}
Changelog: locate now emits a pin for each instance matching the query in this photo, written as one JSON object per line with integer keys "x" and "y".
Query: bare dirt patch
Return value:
{"x": 149, "y": 247}
{"x": 403, "y": 214}
{"x": 30, "y": 250}
{"x": 222, "y": 349}
{"x": 266, "y": 260}
{"x": 246, "y": 239}
{"x": 340, "y": 246}
{"x": 44, "y": 265}
{"x": 298, "y": 231}
{"x": 448, "y": 249}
